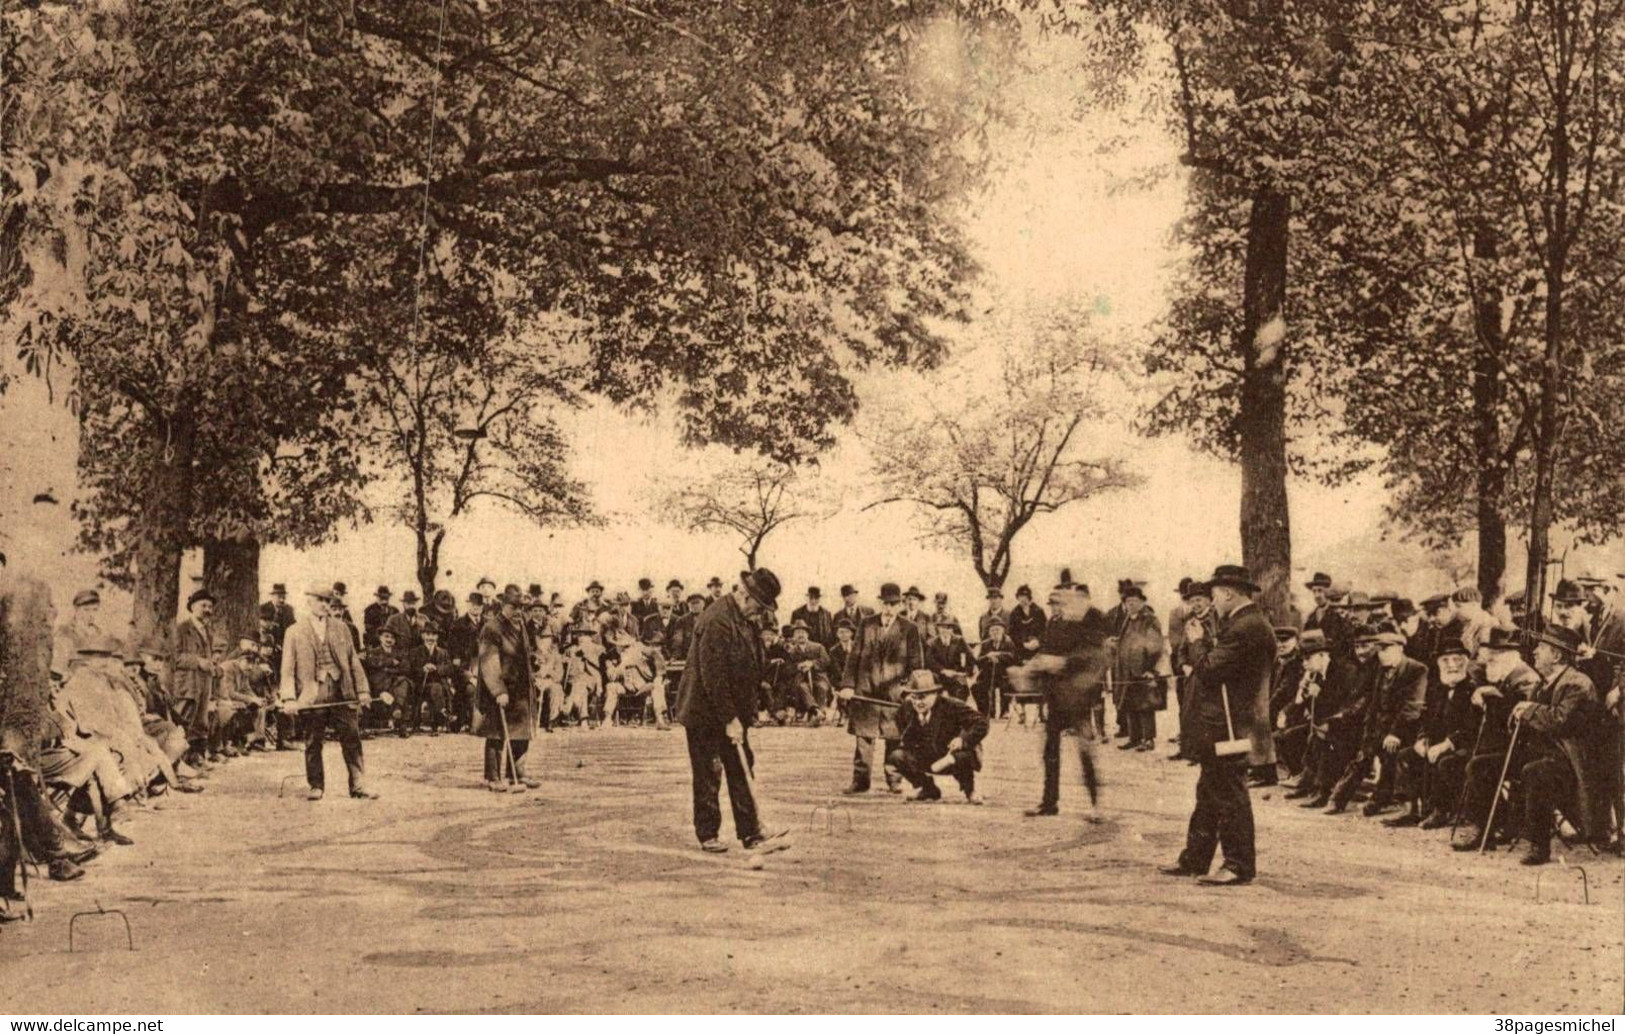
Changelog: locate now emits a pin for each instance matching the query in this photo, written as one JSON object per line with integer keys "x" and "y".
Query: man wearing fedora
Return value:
{"x": 1391, "y": 722}
{"x": 819, "y": 621}
{"x": 323, "y": 679}
{"x": 886, "y": 651}
{"x": 940, "y": 736}
{"x": 716, "y": 705}
{"x": 377, "y": 613}
{"x": 1229, "y": 667}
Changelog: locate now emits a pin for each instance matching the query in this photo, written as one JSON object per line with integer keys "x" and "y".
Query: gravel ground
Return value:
{"x": 589, "y": 896}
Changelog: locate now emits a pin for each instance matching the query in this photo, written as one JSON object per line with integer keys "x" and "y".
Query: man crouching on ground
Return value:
{"x": 716, "y": 703}
{"x": 939, "y": 735}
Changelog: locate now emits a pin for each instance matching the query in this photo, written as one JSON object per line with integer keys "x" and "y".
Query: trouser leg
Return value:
{"x": 1547, "y": 784}
{"x": 347, "y": 730}
{"x": 315, "y": 736}
{"x": 705, "y": 770}
{"x": 1086, "y": 736}
{"x": 493, "y": 760}
{"x": 747, "y": 822}
{"x": 1052, "y": 766}
{"x": 1481, "y": 776}
{"x": 913, "y": 769}
{"x": 1388, "y": 778}
{"x": 1235, "y": 817}
{"x": 1202, "y": 832}
{"x": 863, "y": 750}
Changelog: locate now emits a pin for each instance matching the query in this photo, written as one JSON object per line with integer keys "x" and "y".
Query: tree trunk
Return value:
{"x": 1488, "y": 392}
{"x": 1266, "y": 534}
{"x": 160, "y": 535}
{"x": 231, "y": 570}
{"x": 429, "y": 560}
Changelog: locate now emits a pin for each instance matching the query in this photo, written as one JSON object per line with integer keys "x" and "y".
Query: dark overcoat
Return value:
{"x": 1234, "y": 663}
{"x": 882, "y": 658}
{"x": 504, "y": 666}
{"x": 724, "y": 669}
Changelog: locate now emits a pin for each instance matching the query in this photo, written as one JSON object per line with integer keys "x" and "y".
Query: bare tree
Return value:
{"x": 747, "y": 496}
{"x": 1004, "y": 441}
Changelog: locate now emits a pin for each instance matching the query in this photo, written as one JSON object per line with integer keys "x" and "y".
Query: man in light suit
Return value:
{"x": 322, "y": 677}
{"x": 888, "y": 648}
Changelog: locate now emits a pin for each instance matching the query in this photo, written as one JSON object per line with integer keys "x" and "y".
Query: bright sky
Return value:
{"x": 1056, "y": 224}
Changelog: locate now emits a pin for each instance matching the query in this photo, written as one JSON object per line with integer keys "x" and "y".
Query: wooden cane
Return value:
{"x": 1461, "y": 798}
{"x": 507, "y": 746}
{"x": 1489, "y": 825}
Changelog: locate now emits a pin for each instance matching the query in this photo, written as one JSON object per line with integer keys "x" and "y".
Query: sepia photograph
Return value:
{"x": 830, "y": 508}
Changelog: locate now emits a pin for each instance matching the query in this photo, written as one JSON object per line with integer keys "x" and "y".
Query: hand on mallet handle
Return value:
{"x": 735, "y": 731}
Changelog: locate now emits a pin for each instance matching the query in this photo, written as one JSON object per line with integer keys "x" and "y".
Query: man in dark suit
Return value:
{"x": 1229, "y": 667}
{"x": 820, "y": 622}
{"x": 852, "y": 612}
{"x": 940, "y": 736}
{"x": 1069, "y": 669}
{"x": 375, "y": 616}
{"x": 716, "y": 704}
{"x": 284, "y": 613}
{"x": 949, "y": 659}
{"x": 887, "y": 650}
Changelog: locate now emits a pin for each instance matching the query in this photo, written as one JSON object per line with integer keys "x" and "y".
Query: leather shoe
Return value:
{"x": 62, "y": 870}
{"x": 1041, "y": 810}
{"x": 1224, "y": 878}
{"x": 81, "y": 857}
{"x": 1177, "y": 869}
{"x": 1436, "y": 820}
{"x": 1336, "y": 808}
{"x": 1374, "y": 808}
{"x": 364, "y": 795}
{"x": 1536, "y": 856}
{"x": 315, "y": 795}
{"x": 1467, "y": 838}
{"x": 1319, "y": 800}
{"x": 1299, "y": 793}
{"x": 854, "y": 791}
{"x": 714, "y": 846}
{"x": 113, "y": 836}
{"x": 1410, "y": 818}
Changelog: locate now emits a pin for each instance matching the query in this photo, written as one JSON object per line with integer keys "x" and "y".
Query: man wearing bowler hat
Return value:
{"x": 1229, "y": 667}
{"x": 379, "y": 611}
{"x": 716, "y": 705}
{"x": 887, "y": 649}
{"x": 820, "y": 623}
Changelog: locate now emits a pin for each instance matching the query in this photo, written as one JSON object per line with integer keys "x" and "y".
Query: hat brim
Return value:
{"x": 1239, "y": 584}
{"x": 770, "y": 602}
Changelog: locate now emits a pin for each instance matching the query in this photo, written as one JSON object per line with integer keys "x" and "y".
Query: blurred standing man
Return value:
{"x": 322, "y": 675}
{"x": 887, "y": 650}
{"x": 1229, "y": 666}
{"x": 1069, "y": 666}
{"x": 716, "y": 704}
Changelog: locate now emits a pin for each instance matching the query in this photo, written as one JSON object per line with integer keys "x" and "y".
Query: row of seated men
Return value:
{"x": 1499, "y": 733}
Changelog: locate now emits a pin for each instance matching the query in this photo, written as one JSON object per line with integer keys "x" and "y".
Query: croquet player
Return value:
{"x": 323, "y": 678}
{"x": 716, "y": 704}
{"x": 940, "y": 736}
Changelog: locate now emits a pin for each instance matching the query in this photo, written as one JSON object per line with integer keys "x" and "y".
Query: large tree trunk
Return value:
{"x": 429, "y": 560}
{"x": 160, "y": 535}
{"x": 231, "y": 570}
{"x": 1488, "y": 391}
{"x": 1266, "y": 533}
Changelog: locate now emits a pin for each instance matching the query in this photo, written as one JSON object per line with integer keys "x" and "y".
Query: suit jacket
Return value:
{"x": 504, "y": 666}
{"x": 1563, "y": 722}
{"x": 1397, "y": 705}
{"x": 950, "y": 719}
{"x": 879, "y": 664}
{"x": 1141, "y": 654}
{"x": 953, "y": 655}
{"x": 373, "y": 619}
{"x": 820, "y": 624}
{"x": 986, "y": 619}
{"x": 724, "y": 669}
{"x": 194, "y": 660}
{"x": 1236, "y": 664}
{"x": 299, "y": 653}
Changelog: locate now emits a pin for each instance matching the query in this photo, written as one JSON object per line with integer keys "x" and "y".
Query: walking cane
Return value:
{"x": 998, "y": 694}
{"x": 1461, "y": 798}
{"x": 507, "y": 746}
{"x": 1489, "y": 826}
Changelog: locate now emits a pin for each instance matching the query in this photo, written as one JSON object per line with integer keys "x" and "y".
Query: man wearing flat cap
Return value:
{"x": 716, "y": 705}
{"x": 887, "y": 649}
{"x": 324, "y": 683}
{"x": 82, "y": 627}
{"x": 1229, "y": 669}
{"x": 939, "y": 736}
{"x": 1391, "y": 721}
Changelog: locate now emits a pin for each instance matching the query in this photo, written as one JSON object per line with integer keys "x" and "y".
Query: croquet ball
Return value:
{"x": 581, "y": 764}
{"x": 757, "y": 863}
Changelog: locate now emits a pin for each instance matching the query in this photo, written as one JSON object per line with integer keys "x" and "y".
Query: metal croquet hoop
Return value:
{"x": 1585, "y": 881}
{"x": 129, "y": 937}
{"x": 282, "y": 787}
{"x": 829, "y": 809}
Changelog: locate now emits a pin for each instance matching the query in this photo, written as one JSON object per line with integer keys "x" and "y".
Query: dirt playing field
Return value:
{"x": 589, "y": 896}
